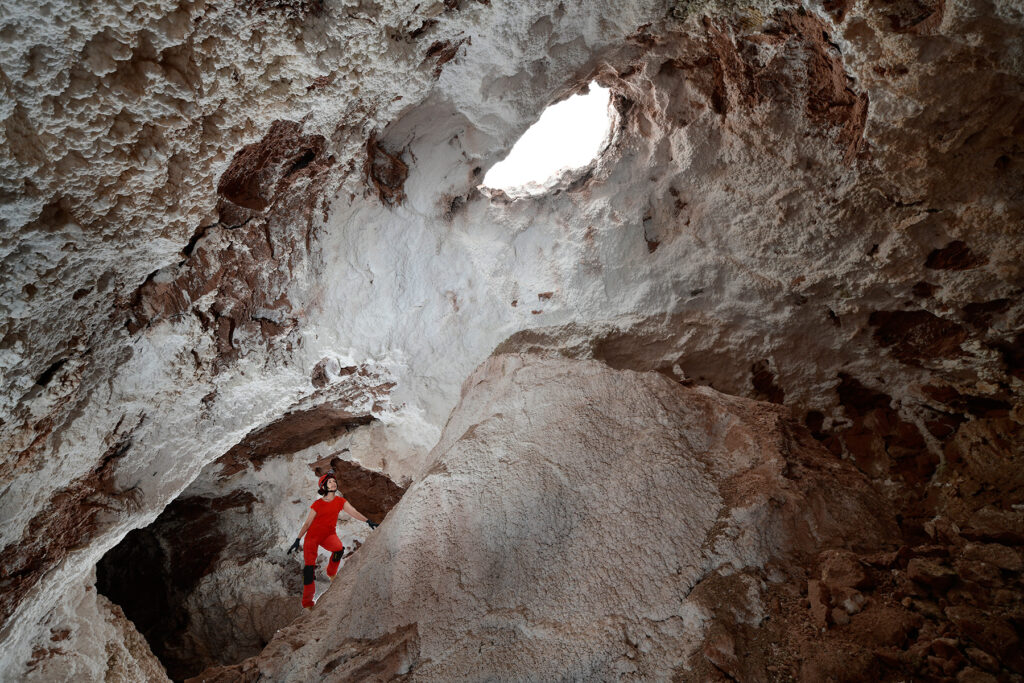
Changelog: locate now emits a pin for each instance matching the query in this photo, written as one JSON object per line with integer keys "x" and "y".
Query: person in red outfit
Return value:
{"x": 319, "y": 529}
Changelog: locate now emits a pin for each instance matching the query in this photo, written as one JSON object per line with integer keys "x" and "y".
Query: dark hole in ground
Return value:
{"x": 132, "y": 575}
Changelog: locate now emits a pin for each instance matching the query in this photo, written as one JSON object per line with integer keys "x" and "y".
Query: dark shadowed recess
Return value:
{"x": 369, "y": 492}
{"x": 153, "y": 572}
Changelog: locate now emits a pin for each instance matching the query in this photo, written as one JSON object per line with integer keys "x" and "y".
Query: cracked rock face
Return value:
{"x": 229, "y": 228}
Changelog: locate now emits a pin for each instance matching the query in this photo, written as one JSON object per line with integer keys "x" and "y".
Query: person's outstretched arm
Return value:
{"x": 357, "y": 515}
{"x": 302, "y": 532}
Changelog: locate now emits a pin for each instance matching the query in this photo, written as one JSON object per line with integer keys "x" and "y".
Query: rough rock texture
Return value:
{"x": 211, "y": 210}
{"x": 90, "y": 639}
{"x": 570, "y": 522}
{"x": 76, "y": 517}
{"x": 208, "y": 582}
{"x": 371, "y": 493}
{"x": 199, "y": 582}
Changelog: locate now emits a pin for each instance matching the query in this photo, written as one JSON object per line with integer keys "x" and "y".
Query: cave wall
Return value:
{"x": 209, "y": 581}
{"x": 215, "y": 214}
{"x": 592, "y": 559}
{"x": 89, "y": 637}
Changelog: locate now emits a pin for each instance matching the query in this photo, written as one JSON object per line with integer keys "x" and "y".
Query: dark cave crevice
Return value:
{"x": 154, "y": 570}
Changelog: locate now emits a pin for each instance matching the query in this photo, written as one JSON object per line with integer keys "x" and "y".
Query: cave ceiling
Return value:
{"x": 234, "y": 230}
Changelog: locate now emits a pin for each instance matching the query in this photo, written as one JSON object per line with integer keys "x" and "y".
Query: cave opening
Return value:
{"x": 209, "y": 582}
{"x": 163, "y": 576}
{"x": 568, "y": 136}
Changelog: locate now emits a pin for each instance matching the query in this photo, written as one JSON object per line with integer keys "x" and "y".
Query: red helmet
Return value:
{"x": 322, "y": 483}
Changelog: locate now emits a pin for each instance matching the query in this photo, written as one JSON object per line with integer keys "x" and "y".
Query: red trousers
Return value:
{"x": 310, "y": 546}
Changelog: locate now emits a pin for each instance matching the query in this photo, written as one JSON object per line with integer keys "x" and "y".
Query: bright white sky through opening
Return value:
{"x": 567, "y": 136}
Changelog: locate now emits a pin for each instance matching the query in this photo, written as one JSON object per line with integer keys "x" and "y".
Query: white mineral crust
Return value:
{"x": 713, "y": 232}
{"x": 568, "y": 512}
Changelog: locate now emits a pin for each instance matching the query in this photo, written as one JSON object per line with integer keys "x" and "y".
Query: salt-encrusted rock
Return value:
{"x": 569, "y": 513}
{"x": 813, "y": 204}
{"x": 209, "y": 582}
{"x": 90, "y": 639}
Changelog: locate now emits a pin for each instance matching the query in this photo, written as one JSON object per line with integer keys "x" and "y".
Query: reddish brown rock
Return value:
{"x": 990, "y": 632}
{"x": 261, "y": 171}
{"x": 879, "y": 439}
{"x": 245, "y": 262}
{"x": 372, "y": 493}
{"x": 319, "y": 375}
{"x": 981, "y": 573}
{"x": 829, "y": 99}
{"x": 954, "y": 256}
{"x": 997, "y": 555}
{"x": 720, "y": 650}
{"x": 914, "y": 16}
{"x": 934, "y": 575}
{"x": 982, "y": 659}
{"x": 443, "y": 52}
{"x": 842, "y": 569}
{"x": 840, "y": 666}
{"x": 291, "y": 433}
{"x": 885, "y": 626}
{"x": 385, "y": 172}
{"x": 972, "y": 675}
{"x": 817, "y": 596}
{"x": 916, "y": 336}
{"x": 993, "y": 524}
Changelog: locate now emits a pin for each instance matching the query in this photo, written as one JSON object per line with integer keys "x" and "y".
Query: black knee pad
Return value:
{"x": 308, "y": 574}
{"x": 336, "y": 557}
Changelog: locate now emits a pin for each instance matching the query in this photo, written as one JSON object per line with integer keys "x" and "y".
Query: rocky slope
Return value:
{"x": 209, "y": 581}
{"x": 230, "y": 227}
{"x": 585, "y": 523}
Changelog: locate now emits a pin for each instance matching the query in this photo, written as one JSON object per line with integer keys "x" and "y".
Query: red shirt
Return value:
{"x": 326, "y": 515}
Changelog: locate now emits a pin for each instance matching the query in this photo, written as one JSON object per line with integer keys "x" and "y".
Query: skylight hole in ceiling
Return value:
{"x": 568, "y": 136}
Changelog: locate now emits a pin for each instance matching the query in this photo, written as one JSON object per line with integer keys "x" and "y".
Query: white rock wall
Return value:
{"x": 90, "y": 639}
{"x": 569, "y": 512}
{"x": 119, "y": 121}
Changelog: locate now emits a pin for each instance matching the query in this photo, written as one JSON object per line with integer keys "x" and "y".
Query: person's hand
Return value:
{"x": 372, "y": 524}
{"x": 295, "y": 546}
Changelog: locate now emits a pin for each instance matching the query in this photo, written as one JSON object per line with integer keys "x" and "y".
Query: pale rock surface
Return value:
{"x": 209, "y": 581}
{"x": 817, "y": 204}
{"x": 568, "y": 519}
{"x": 91, "y": 640}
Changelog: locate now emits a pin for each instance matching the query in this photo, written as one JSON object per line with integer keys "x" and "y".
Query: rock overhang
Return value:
{"x": 762, "y": 194}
